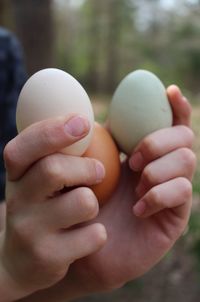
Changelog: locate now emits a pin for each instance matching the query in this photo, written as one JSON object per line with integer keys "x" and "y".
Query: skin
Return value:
{"x": 38, "y": 242}
{"x": 2, "y": 214}
{"x": 145, "y": 216}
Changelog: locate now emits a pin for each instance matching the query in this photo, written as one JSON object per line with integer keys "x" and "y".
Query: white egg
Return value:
{"x": 139, "y": 107}
{"x": 52, "y": 92}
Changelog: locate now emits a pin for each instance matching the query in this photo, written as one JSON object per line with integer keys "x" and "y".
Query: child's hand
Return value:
{"x": 41, "y": 238}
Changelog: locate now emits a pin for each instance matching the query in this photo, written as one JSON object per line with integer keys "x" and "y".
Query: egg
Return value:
{"x": 139, "y": 106}
{"x": 103, "y": 148}
{"x": 52, "y": 92}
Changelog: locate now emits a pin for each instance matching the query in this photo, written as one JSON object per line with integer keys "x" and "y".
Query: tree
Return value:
{"x": 34, "y": 22}
{"x": 107, "y": 33}
{"x": 2, "y": 9}
{"x": 119, "y": 29}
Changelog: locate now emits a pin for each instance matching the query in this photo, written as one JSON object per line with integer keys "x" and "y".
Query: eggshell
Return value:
{"x": 103, "y": 148}
{"x": 52, "y": 92}
{"x": 139, "y": 107}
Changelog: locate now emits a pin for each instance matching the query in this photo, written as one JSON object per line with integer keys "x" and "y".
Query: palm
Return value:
{"x": 134, "y": 245}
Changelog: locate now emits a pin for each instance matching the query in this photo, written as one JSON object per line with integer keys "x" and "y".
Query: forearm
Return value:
{"x": 64, "y": 291}
{"x": 2, "y": 214}
{"x": 10, "y": 290}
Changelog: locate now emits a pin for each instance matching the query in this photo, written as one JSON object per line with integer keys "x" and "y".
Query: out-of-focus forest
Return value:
{"x": 99, "y": 42}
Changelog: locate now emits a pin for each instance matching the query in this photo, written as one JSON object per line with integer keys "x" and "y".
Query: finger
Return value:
{"x": 79, "y": 205}
{"x": 58, "y": 171}
{"x": 175, "y": 194}
{"x": 159, "y": 143}
{"x": 179, "y": 163}
{"x": 41, "y": 139}
{"x": 180, "y": 106}
{"x": 81, "y": 242}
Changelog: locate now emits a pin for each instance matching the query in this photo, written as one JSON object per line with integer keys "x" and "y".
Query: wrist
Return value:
{"x": 2, "y": 214}
{"x": 9, "y": 288}
{"x": 65, "y": 290}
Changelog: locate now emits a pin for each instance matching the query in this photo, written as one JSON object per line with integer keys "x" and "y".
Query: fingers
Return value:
{"x": 69, "y": 209}
{"x": 175, "y": 194}
{"x": 180, "y": 162}
{"x": 50, "y": 254}
{"x": 57, "y": 171}
{"x": 164, "y": 141}
{"x": 167, "y": 164}
{"x": 42, "y": 139}
{"x": 160, "y": 143}
{"x": 180, "y": 106}
{"x": 82, "y": 242}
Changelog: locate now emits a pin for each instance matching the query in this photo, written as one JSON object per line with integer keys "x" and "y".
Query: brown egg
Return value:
{"x": 103, "y": 148}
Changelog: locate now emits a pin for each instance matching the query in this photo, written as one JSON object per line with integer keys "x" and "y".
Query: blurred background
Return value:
{"x": 99, "y": 42}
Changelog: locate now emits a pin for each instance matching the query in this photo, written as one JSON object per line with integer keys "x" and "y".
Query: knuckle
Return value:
{"x": 21, "y": 230}
{"x": 193, "y": 161}
{"x": 91, "y": 174}
{"x": 87, "y": 202}
{"x": 51, "y": 169}
{"x": 50, "y": 135}
{"x": 42, "y": 257}
{"x": 188, "y": 132}
{"x": 186, "y": 187}
{"x": 147, "y": 176}
{"x": 154, "y": 197}
{"x": 188, "y": 157}
{"x": 150, "y": 146}
{"x": 8, "y": 155}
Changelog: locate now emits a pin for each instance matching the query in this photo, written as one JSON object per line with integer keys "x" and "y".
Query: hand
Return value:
{"x": 161, "y": 193}
{"x": 40, "y": 241}
{"x": 165, "y": 165}
{"x": 145, "y": 216}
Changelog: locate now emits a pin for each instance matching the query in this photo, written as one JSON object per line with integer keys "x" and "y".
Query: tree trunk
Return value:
{"x": 112, "y": 44}
{"x": 94, "y": 40}
{"x": 34, "y": 23}
{"x": 2, "y": 9}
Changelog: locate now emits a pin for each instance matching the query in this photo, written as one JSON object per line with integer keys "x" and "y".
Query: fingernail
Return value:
{"x": 136, "y": 161}
{"x": 140, "y": 208}
{"x": 77, "y": 126}
{"x": 100, "y": 172}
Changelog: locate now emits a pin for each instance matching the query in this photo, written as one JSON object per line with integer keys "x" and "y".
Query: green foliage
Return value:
{"x": 196, "y": 183}
{"x": 104, "y": 40}
{"x": 194, "y": 224}
{"x": 194, "y": 227}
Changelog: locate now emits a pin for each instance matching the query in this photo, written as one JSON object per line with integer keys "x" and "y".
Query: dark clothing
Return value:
{"x": 12, "y": 78}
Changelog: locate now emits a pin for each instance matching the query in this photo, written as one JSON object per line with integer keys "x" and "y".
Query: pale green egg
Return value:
{"x": 139, "y": 107}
